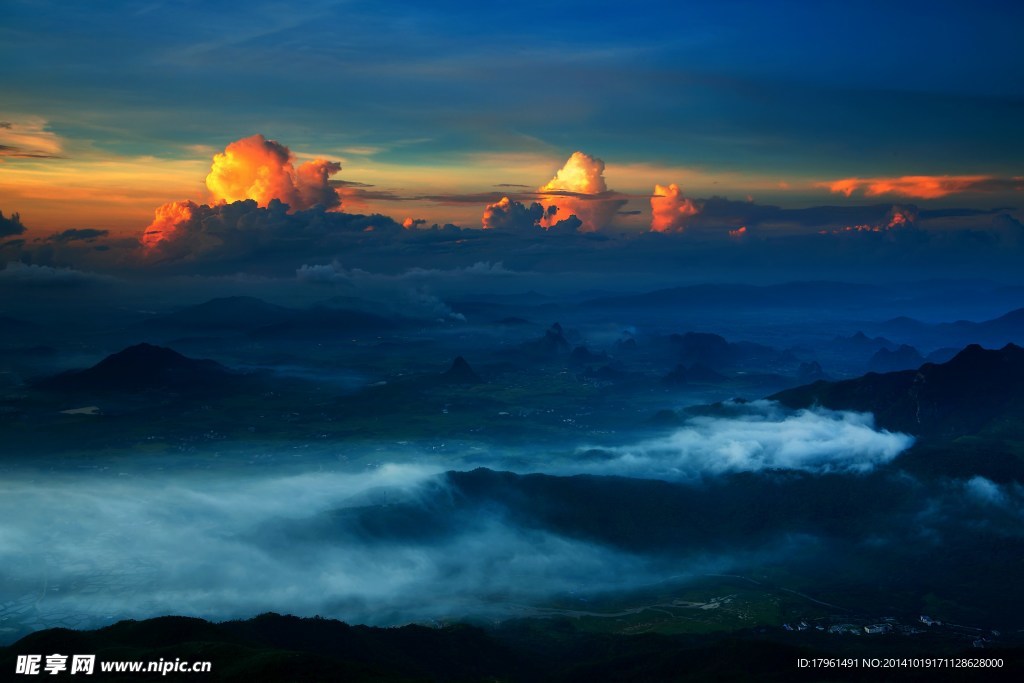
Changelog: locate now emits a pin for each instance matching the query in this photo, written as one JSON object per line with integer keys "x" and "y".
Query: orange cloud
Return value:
{"x": 258, "y": 169}
{"x": 922, "y": 186}
{"x": 899, "y": 217}
{"x": 166, "y": 221}
{"x": 261, "y": 169}
{"x": 670, "y": 210}
{"x": 902, "y": 216}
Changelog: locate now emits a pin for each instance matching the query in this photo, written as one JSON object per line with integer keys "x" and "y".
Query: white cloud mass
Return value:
{"x": 761, "y": 436}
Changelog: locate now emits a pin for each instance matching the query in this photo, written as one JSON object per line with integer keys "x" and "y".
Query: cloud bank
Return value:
{"x": 92, "y": 550}
{"x": 924, "y": 186}
{"x": 15, "y": 272}
{"x": 758, "y": 436}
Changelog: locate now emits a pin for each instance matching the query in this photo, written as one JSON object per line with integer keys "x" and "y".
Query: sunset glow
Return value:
{"x": 126, "y": 158}
{"x": 918, "y": 187}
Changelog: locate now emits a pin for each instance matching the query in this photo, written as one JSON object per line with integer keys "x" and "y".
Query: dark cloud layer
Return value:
{"x": 77, "y": 234}
{"x": 10, "y": 226}
{"x": 723, "y": 238}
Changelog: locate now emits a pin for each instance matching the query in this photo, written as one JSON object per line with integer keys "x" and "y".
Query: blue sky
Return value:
{"x": 828, "y": 88}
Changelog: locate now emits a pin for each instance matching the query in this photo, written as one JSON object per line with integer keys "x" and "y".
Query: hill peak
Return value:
{"x": 144, "y": 367}
{"x": 461, "y": 373}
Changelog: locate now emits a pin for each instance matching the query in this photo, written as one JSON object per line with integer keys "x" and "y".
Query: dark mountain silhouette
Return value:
{"x": 626, "y": 345}
{"x": 811, "y": 371}
{"x": 1006, "y": 329}
{"x": 227, "y": 313}
{"x": 978, "y": 389}
{"x": 677, "y": 377}
{"x": 705, "y": 348}
{"x": 145, "y": 367}
{"x": 1010, "y": 323}
{"x": 667, "y": 518}
{"x": 460, "y": 373}
{"x": 717, "y": 353}
{"x": 904, "y": 358}
{"x": 581, "y": 356}
{"x": 274, "y": 648}
{"x": 860, "y": 343}
{"x": 943, "y": 355}
{"x": 551, "y": 346}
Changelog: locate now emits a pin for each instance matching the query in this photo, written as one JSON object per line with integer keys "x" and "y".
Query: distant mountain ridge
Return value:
{"x": 978, "y": 389}
{"x": 1005, "y": 329}
{"x": 273, "y": 648}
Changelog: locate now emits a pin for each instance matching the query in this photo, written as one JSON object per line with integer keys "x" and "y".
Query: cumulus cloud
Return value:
{"x": 255, "y": 169}
{"x": 264, "y": 170}
{"x": 323, "y": 274}
{"x": 579, "y": 189}
{"x": 902, "y": 216}
{"x": 670, "y": 210}
{"x": 985, "y": 491}
{"x": 511, "y": 215}
{"x": 581, "y": 173}
{"x": 166, "y": 221}
{"x": 898, "y": 217}
{"x": 758, "y": 436}
{"x": 923, "y": 186}
{"x": 185, "y": 231}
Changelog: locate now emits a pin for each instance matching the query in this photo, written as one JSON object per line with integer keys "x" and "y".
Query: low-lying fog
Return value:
{"x": 401, "y": 541}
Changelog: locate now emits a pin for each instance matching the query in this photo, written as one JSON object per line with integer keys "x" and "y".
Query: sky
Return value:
{"x": 633, "y": 118}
